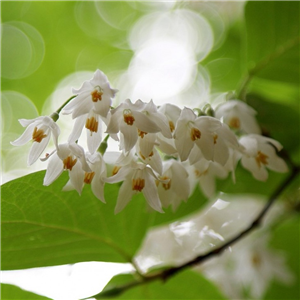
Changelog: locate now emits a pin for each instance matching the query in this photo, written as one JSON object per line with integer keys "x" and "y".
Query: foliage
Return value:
{"x": 43, "y": 226}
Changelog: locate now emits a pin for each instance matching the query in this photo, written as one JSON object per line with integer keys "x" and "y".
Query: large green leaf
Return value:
{"x": 272, "y": 28}
{"x": 12, "y": 292}
{"x": 185, "y": 285}
{"x": 43, "y": 226}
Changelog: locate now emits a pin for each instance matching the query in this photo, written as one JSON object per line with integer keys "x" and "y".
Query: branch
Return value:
{"x": 166, "y": 274}
{"x": 279, "y": 51}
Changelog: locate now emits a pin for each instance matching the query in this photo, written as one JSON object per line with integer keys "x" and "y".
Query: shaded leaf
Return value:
{"x": 184, "y": 285}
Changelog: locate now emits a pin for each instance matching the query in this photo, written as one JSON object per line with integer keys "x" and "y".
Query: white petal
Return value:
{"x": 130, "y": 135}
{"x": 27, "y": 122}
{"x": 54, "y": 169}
{"x": 120, "y": 176}
{"x": 97, "y": 186}
{"x": 184, "y": 147}
{"x": 125, "y": 195}
{"x": 208, "y": 185}
{"x": 25, "y": 137}
{"x": 114, "y": 123}
{"x": 94, "y": 139}
{"x": 143, "y": 123}
{"x": 151, "y": 194}
{"x": 75, "y": 102}
{"x": 147, "y": 143}
{"x": 221, "y": 152}
{"x": 259, "y": 173}
{"x": 161, "y": 121}
{"x": 37, "y": 149}
{"x": 206, "y": 145}
{"x": 77, "y": 129}
{"x": 195, "y": 155}
{"x": 102, "y": 107}
{"x": 77, "y": 177}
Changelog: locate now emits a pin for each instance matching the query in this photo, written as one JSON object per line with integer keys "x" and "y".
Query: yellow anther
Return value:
{"x": 215, "y": 138}
{"x": 198, "y": 173}
{"x": 167, "y": 185}
{"x": 92, "y": 125}
{"x": 234, "y": 123}
{"x": 69, "y": 163}
{"x": 172, "y": 126}
{"x": 88, "y": 177}
{"x": 138, "y": 184}
{"x": 256, "y": 260}
{"x": 115, "y": 170}
{"x": 143, "y": 157}
{"x": 195, "y": 134}
{"x": 128, "y": 117}
{"x": 38, "y": 135}
{"x": 96, "y": 95}
{"x": 261, "y": 158}
{"x": 142, "y": 133}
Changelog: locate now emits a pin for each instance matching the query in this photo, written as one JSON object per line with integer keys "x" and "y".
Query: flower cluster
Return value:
{"x": 164, "y": 149}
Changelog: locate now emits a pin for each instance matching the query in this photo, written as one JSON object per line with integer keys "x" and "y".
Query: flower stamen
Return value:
{"x": 128, "y": 117}
{"x": 38, "y": 135}
{"x": 261, "y": 158}
{"x": 195, "y": 134}
{"x": 116, "y": 169}
{"x": 92, "y": 124}
{"x": 215, "y": 138}
{"x": 141, "y": 133}
{"x": 167, "y": 185}
{"x": 235, "y": 123}
{"x": 138, "y": 184}
{"x": 69, "y": 163}
{"x": 172, "y": 126}
{"x": 88, "y": 177}
{"x": 97, "y": 94}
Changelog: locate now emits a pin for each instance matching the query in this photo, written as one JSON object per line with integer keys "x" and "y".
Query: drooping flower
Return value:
{"x": 238, "y": 116}
{"x": 260, "y": 153}
{"x": 206, "y": 173}
{"x": 131, "y": 121}
{"x": 95, "y": 94}
{"x": 137, "y": 177}
{"x": 69, "y": 157}
{"x": 39, "y": 131}
{"x": 93, "y": 124}
{"x": 200, "y": 131}
{"x": 177, "y": 188}
{"x": 95, "y": 177}
{"x": 172, "y": 113}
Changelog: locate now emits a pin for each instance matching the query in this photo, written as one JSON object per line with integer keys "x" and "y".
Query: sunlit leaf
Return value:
{"x": 43, "y": 226}
{"x": 12, "y": 292}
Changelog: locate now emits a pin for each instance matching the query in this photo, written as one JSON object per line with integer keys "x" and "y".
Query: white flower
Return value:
{"x": 39, "y": 131}
{"x": 224, "y": 141}
{"x": 172, "y": 113}
{"x": 69, "y": 157}
{"x": 177, "y": 188}
{"x": 259, "y": 154}
{"x": 93, "y": 124}
{"x": 200, "y": 131}
{"x": 129, "y": 119}
{"x": 238, "y": 116}
{"x": 95, "y": 94}
{"x": 95, "y": 177}
{"x": 137, "y": 177}
{"x": 206, "y": 173}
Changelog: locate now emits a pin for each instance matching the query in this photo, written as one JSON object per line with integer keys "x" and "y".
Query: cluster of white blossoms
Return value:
{"x": 163, "y": 149}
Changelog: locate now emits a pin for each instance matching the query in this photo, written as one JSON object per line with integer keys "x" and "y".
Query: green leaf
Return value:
{"x": 43, "y": 226}
{"x": 286, "y": 239}
{"x": 272, "y": 29}
{"x": 184, "y": 285}
{"x": 12, "y": 292}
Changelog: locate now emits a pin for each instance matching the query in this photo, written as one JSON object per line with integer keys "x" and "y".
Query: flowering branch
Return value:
{"x": 279, "y": 51}
{"x": 166, "y": 274}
